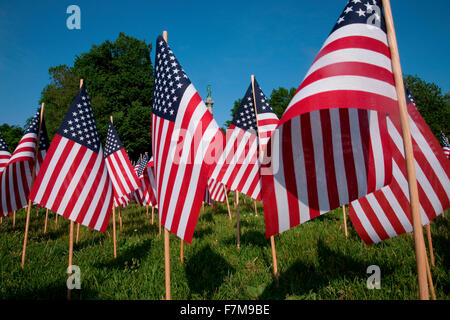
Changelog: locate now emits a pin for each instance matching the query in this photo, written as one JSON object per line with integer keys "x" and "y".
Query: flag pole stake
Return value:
{"x": 153, "y": 214}
{"x": 272, "y": 240}
{"x": 120, "y": 218}
{"x": 181, "y": 250}
{"x": 114, "y": 231}
{"x": 409, "y": 157}
{"x": 345, "y": 220}
{"x": 70, "y": 255}
{"x": 166, "y": 237}
{"x": 14, "y": 219}
{"x": 33, "y": 176}
{"x": 45, "y": 223}
{"x": 228, "y": 204}
{"x": 430, "y": 245}
{"x": 238, "y": 236}
{"x": 430, "y": 281}
{"x": 78, "y": 233}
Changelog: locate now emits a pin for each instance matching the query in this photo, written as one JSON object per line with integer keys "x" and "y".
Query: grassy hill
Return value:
{"x": 315, "y": 260}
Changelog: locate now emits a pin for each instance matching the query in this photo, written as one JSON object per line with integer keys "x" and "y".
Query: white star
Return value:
{"x": 368, "y": 7}
{"x": 356, "y": 1}
{"x": 361, "y": 12}
{"x": 348, "y": 9}
{"x": 340, "y": 20}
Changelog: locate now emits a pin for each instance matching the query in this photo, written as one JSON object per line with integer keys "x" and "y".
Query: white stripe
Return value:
{"x": 110, "y": 166}
{"x": 357, "y": 29}
{"x": 279, "y": 183}
{"x": 345, "y": 83}
{"x": 298, "y": 156}
{"x": 338, "y": 155}
{"x": 128, "y": 172}
{"x": 399, "y": 213}
{"x": 106, "y": 207}
{"x": 319, "y": 161}
{"x": 377, "y": 148}
{"x": 358, "y": 155}
{"x": 249, "y": 158}
{"x": 381, "y": 215}
{"x": 352, "y": 55}
{"x": 237, "y": 157}
{"x": 228, "y": 146}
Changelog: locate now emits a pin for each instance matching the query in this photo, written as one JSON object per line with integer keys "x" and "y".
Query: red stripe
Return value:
{"x": 355, "y": 42}
{"x": 359, "y": 227}
{"x": 366, "y": 145}
{"x": 389, "y": 212}
{"x": 310, "y": 166}
{"x": 347, "y": 153}
{"x": 341, "y": 99}
{"x": 328, "y": 155}
{"x": 373, "y": 219}
{"x": 269, "y": 198}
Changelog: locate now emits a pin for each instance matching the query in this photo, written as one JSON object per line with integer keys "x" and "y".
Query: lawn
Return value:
{"x": 315, "y": 260}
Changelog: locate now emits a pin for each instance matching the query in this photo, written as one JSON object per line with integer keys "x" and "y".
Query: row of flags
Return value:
{"x": 338, "y": 142}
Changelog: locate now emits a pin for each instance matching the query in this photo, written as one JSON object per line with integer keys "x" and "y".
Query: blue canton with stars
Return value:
{"x": 170, "y": 82}
{"x": 142, "y": 164}
{"x": 409, "y": 97}
{"x": 113, "y": 142}
{"x": 3, "y": 146}
{"x": 362, "y": 11}
{"x": 79, "y": 124}
{"x": 33, "y": 128}
{"x": 245, "y": 116}
{"x": 444, "y": 141}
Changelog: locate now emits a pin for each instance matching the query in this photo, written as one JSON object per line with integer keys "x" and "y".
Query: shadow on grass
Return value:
{"x": 134, "y": 252}
{"x": 201, "y": 232}
{"x": 206, "y": 271}
{"x": 53, "y": 291}
{"x": 303, "y": 276}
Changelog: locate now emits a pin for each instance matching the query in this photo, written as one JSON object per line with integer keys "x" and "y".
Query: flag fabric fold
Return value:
{"x": 331, "y": 145}
{"x": 386, "y": 213}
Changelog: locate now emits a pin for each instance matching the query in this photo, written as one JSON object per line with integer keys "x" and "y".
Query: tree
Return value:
{"x": 432, "y": 105}
{"x": 12, "y": 135}
{"x": 280, "y": 98}
{"x": 119, "y": 79}
{"x": 234, "y": 110}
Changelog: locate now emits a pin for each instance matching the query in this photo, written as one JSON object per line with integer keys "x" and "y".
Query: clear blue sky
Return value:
{"x": 217, "y": 42}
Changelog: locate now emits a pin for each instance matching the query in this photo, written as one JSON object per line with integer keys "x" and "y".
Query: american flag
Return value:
{"x": 144, "y": 195}
{"x": 239, "y": 165}
{"x": 215, "y": 190}
{"x": 445, "y": 145}
{"x": 17, "y": 175}
{"x": 73, "y": 180}
{"x": 386, "y": 213}
{"x": 182, "y": 132}
{"x": 4, "y": 154}
{"x": 149, "y": 178}
{"x": 121, "y": 172}
{"x": 330, "y": 146}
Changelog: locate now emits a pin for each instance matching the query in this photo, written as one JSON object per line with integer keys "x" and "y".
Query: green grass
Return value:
{"x": 315, "y": 260}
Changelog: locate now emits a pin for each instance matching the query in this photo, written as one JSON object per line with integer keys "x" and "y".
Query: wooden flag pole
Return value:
{"x": 78, "y": 233}
{"x": 37, "y": 211}
{"x": 45, "y": 224}
{"x": 147, "y": 209}
{"x": 153, "y": 215}
{"x": 181, "y": 250}
{"x": 409, "y": 157}
{"x": 272, "y": 240}
{"x": 430, "y": 245}
{"x": 33, "y": 176}
{"x": 56, "y": 219}
{"x": 14, "y": 218}
{"x": 114, "y": 221}
{"x": 228, "y": 204}
{"x": 238, "y": 236}
{"x": 120, "y": 218}
{"x": 345, "y": 221}
{"x": 166, "y": 238}
{"x": 114, "y": 231}
{"x": 430, "y": 281}
{"x": 256, "y": 211}
{"x": 71, "y": 234}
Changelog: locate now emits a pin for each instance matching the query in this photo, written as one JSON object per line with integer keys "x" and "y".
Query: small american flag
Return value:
{"x": 143, "y": 195}
{"x": 239, "y": 165}
{"x": 73, "y": 180}
{"x": 445, "y": 145}
{"x": 150, "y": 183}
{"x": 121, "y": 172}
{"x": 330, "y": 146}
{"x": 4, "y": 154}
{"x": 182, "y": 132}
{"x": 17, "y": 175}
{"x": 216, "y": 190}
{"x": 386, "y": 213}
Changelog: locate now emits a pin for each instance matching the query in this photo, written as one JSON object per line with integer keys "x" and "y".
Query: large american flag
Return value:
{"x": 445, "y": 145}
{"x": 182, "y": 132}
{"x": 73, "y": 180}
{"x": 239, "y": 165}
{"x": 386, "y": 213}
{"x": 15, "y": 181}
{"x": 4, "y": 154}
{"x": 121, "y": 172}
{"x": 331, "y": 145}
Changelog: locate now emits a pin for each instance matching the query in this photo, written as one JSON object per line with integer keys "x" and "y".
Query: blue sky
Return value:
{"x": 217, "y": 42}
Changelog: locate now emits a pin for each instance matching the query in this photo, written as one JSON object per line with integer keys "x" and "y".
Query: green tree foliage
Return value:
{"x": 280, "y": 98}
{"x": 12, "y": 135}
{"x": 119, "y": 79}
{"x": 235, "y": 108}
{"x": 432, "y": 104}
